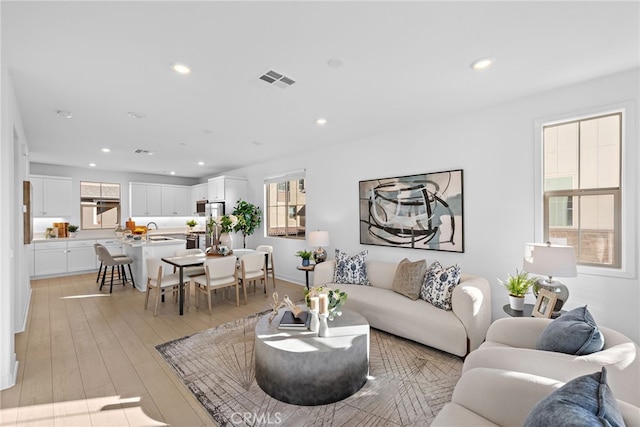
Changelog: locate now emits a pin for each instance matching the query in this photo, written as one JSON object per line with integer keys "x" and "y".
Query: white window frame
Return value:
{"x": 280, "y": 178}
{"x": 629, "y": 185}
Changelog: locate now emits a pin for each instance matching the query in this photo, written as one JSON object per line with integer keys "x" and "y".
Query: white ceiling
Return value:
{"x": 403, "y": 63}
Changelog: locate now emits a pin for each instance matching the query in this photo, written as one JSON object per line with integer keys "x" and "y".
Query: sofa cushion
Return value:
{"x": 351, "y": 270}
{"x": 574, "y": 332}
{"x": 583, "y": 401}
{"x": 409, "y": 278}
{"x": 439, "y": 283}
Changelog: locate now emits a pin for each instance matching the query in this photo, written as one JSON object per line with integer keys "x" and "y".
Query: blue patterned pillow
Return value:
{"x": 439, "y": 283}
{"x": 351, "y": 270}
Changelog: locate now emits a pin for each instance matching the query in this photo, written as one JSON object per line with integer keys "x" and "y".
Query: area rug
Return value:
{"x": 408, "y": 383}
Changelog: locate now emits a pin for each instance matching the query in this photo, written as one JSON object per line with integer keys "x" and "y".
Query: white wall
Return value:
{"x": 14, "y": 281}
{"x": 495, "y": 148}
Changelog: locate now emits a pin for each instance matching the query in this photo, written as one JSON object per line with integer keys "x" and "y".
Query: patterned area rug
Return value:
{"x": 408, "y": 385}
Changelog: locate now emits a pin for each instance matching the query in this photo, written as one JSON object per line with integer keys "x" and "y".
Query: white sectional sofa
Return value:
{"x": 457, "y": 331}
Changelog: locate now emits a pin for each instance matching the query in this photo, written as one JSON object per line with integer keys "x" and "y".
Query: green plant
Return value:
{"x": 518, "y": 285}
{"x": 249, "y": 219}
{"x": 304, "y": 254}
{"x": 72, "y": 228}
{"x": 192, "y": 223}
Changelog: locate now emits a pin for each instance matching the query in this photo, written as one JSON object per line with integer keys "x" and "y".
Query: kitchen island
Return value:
{"x": 141, "y": 250}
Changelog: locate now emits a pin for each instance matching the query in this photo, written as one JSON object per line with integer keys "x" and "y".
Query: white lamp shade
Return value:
{"x": 550, "y": 260}
{"x": 319, "y": 238}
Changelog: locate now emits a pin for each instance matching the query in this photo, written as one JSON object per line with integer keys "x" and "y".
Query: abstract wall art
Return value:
{"x": 416, "y": 211}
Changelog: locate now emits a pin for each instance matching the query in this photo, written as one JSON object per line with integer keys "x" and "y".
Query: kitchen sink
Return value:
{"x": 160, "y": 238}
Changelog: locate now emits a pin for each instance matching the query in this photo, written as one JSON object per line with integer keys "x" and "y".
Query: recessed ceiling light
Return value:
{"x": 200, "y": 163}
{"x": 335, "y": 62}
{"x": 180, "y": 68}
{"x": 482, "y": 63}
{"x": 321, "y": 121}
{"x": 93, "y": 165}
{"x": 135, "y": 115}
{"x": 65, "y": 114}
{"x": 172, "y": 172}
{"x": 106, "y": 150}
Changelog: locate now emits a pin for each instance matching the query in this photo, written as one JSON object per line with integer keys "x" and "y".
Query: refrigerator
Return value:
{"x": 212, "y": 210}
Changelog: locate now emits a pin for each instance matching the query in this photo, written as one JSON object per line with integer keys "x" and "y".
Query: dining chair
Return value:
{"x": 95, "y": 248}
{"x": 220, "y": 273}
{"x": 156, "y": 279}
{"x": 252, "y": 268}
{"x": 109, "y": 261}
{"x": 195, "y": 270}
{"x": 269, "y": 250}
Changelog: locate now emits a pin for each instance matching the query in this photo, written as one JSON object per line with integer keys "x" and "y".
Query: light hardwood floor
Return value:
{"x": 88, "y": 358}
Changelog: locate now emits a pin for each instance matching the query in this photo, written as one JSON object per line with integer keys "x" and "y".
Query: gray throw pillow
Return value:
{"x": 409, "y": 277}
{"x": 574, "y": 332}
{"x": 583, "y": 401}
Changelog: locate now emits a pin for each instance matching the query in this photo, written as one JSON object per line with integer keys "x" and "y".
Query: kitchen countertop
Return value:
{"x": 107, "y": 234}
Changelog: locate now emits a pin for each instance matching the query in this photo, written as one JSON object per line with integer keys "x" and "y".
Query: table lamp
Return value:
{"x": 551, "y": 261}
{"x": 319, "y": 239}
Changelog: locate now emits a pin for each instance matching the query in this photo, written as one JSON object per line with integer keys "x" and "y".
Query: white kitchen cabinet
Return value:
{"x": 175, "y": 200}
{"x": 51, "y": 196}
{"x": 114, "y": 246}
{"x": 199, "y": 193}
{"x": 50, "y": 258}
{"x": 145, "y": 199}
{"x": 81, "y": 256}
{"x": 227, "y": 189}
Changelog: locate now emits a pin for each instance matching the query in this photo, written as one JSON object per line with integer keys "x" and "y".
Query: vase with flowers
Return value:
{"x": 223, "y": 226}
{"x": 336, "y": 299}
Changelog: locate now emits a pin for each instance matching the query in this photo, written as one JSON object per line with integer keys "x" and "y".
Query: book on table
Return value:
{"x": 289, "y": 321}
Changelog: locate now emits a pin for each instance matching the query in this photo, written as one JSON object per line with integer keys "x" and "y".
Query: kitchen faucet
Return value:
{"x": 148, "y": 228}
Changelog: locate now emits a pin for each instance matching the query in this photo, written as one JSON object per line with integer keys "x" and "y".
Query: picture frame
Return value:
{"x": 544, "y": 304}
{"x": 423, "y": 211}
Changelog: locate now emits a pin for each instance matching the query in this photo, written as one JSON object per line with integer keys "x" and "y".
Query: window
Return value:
{"x": 286, "y": 205}
{"x": 99, "y": 205}
{"x": 582, "y": 172}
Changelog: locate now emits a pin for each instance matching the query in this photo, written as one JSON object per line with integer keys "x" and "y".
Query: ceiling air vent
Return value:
{"x": 276, "y": 79}
{"x": 141, "y": 151}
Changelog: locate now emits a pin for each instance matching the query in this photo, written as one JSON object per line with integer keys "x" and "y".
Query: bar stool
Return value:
{"x": 109, "y": 261}
{"x": 95, "y": 248}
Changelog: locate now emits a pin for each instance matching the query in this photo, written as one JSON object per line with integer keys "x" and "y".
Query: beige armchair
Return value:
{"x": 511, "y": 345}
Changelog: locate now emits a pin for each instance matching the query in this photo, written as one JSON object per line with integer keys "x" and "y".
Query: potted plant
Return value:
{"x": 517, "y": 286}
{"x": 306, "y": 256}
{"x": 249, "y": 218}
{"x": 192, "y": 223}
{"x": 72, "y": 229}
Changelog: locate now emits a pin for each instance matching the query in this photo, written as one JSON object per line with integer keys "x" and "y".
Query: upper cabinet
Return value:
{"x": 51, "y": 196}
{"x": 199, "y": 193}
{"x": 175, "y": 201}
{"x": 145, "y": 199}
{"x": 227, "y": 189}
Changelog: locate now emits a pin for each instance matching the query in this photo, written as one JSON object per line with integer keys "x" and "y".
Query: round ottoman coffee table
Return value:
{"x": 301, "y": 368}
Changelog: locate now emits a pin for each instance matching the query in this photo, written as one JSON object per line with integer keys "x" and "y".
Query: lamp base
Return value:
{"x": 556, "y": 287}
{"x": 319, "y": 255}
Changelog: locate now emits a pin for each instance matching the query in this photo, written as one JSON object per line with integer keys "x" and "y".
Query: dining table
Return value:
{"x": 182, "y": 261}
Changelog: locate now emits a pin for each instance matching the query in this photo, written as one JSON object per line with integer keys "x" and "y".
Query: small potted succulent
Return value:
{"x": 517, "y": 286}
{"x": 72, "y": 230}
{"x": 306, "y": 256}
